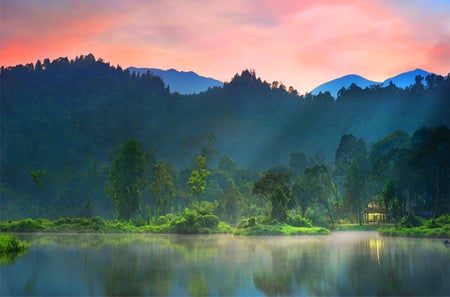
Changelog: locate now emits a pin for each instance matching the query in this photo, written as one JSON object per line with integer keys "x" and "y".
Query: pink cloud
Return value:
{"x": 302, "y": 43}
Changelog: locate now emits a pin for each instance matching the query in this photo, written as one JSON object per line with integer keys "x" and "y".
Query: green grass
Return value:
{"x": 422, "y": 231}
{"x": 280, "y": 229}
{"x": 358, "y": 227}
{"x": 412, "y": 226}
{"x": 186, "y": 223}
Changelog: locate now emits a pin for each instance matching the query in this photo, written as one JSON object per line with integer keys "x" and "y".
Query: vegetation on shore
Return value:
{"x": 281, "y": 229}
{"x": 186, "y": 223}
{"x": 358, "y": 227}
{"x": 413, "y": 226}
{"x": 190, "y": 221}
{"x": 11, "y": 248}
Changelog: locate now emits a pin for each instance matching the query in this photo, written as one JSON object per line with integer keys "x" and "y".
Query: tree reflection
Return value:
{"x": 122, "y": 276}
{"x": 277, "y": 280}
{"x": 138, "y": 271}
{"x": 197, "y": 286}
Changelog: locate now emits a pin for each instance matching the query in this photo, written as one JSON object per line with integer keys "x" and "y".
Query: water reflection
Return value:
{"x": 358, "y": 263}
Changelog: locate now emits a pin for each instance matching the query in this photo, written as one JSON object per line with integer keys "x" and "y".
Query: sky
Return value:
{"x": 301, "y": 43}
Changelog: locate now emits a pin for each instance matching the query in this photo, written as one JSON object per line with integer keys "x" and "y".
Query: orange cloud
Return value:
{"x": 302, "y": 43}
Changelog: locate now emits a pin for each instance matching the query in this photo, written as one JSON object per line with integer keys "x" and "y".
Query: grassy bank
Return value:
{"x": 186, "y": 223}
{"x": 412, "y": 226}
{"x": 358, "y": 227}
{"x": 422, "y": 231}
{"x": 281, "y": 229}
{"x": 259, "y": 226}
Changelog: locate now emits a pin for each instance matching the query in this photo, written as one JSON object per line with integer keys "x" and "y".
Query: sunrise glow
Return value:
{"x": 301, "y": 43}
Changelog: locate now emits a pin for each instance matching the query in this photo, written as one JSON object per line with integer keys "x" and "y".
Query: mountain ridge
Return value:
{"x": 401, "y": 80}
{"x": 190, "y": 82}
{"x": 183, "y": 82}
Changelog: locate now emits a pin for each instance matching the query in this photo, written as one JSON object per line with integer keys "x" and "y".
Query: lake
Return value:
{"x": 340, "y": 264}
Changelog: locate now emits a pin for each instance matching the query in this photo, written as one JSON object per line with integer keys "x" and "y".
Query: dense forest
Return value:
{"x": 74, "y": 131}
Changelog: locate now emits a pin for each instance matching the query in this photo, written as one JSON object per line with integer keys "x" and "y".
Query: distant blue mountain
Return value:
{"x": 401, "y": 80}
{"x": 406, "y": 79}
{"x": 336, "y": 84}
{"x": 181, "y": 81}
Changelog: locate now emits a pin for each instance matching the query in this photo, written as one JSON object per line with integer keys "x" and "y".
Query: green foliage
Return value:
{"x": 246, "y": 223}
{"x": 69, "y": 114}
{"x": 11, "y": 244}
{"x": 273, "y": 187}
{"x": 443, "y": 220}
{"x": 194, "y": 222}
{"x": 410, "y": 221}
{"x": 299, "y": 221}
{"x": 127, "y": 178}
{"x": 280, "y": 229}
{"x": 26, "y": 225}
{"x": 162, "y": 185}
{"x": 11, "y": 248}
{"x": 320, "y": 189}
{"x": 413, "y": 226}
{"x": 197, "y": 179}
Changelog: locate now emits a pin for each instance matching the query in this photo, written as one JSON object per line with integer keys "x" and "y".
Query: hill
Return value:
{"x": 62, "y": 122}
{"x": 181, "y": 81}
{"x": 401, "y": 80}
{"x": 406, "y": 79}
{"x": 335, "y": 85}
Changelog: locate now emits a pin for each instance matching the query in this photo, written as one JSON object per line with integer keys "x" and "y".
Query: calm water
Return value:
{"x": 341, "y": 264}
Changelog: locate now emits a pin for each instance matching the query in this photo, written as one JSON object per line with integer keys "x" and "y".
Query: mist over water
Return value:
{"x": 341, "y": 264}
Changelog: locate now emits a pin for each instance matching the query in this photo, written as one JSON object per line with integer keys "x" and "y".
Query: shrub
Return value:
{"x": 191, "y": 222}
{"x": 11, "y": 244}
{"x": 27, "y": 225}
{"x": 443, "y": 220}
{"x": 439, "y": 222}
{"x": 299, "y": 221}
{"x": 246, "y": 223}
{"x": 138, "y": 221}
{"x": 410, "y": 221}
{"x": 208, "y": 220}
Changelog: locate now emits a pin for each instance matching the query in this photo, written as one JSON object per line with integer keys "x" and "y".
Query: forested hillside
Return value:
{"x": 63, "y": 122}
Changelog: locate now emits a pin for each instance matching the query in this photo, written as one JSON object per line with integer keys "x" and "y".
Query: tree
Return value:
{"x": 390, "y": 200}
{"x": 199, "y": 175}
{"x": 355, "y": 187}
{"x": 430, "y": 157}
{"x": 351, "y": 172}
{"x": 386, "y": 152}
{"x": 350, "y": 148}
{"x": 320, "y": 188}
{"x": 274, "y": 188}
{"x": 162, "y": 185}
{"x": 127, "y": 176}
{"x": 204, "y": 145}
{"x": 300, "y": 194}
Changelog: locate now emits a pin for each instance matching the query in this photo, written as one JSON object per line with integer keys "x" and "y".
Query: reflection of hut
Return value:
{"x": 374, "y": 213}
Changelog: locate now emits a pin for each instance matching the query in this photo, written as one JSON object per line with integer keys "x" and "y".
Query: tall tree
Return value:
{"x": 162, "y": 185}
{"x": 431, "y": 157}
{"x": 199, "y": 175}
{"x": 320, "y": 187}
{"x": 274, "y": 188}
{"x": 355, "y": 188}
{"x": 350, "y": 148}
{"x": 127, "y": 177}
{"x": 300, "y": 194}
